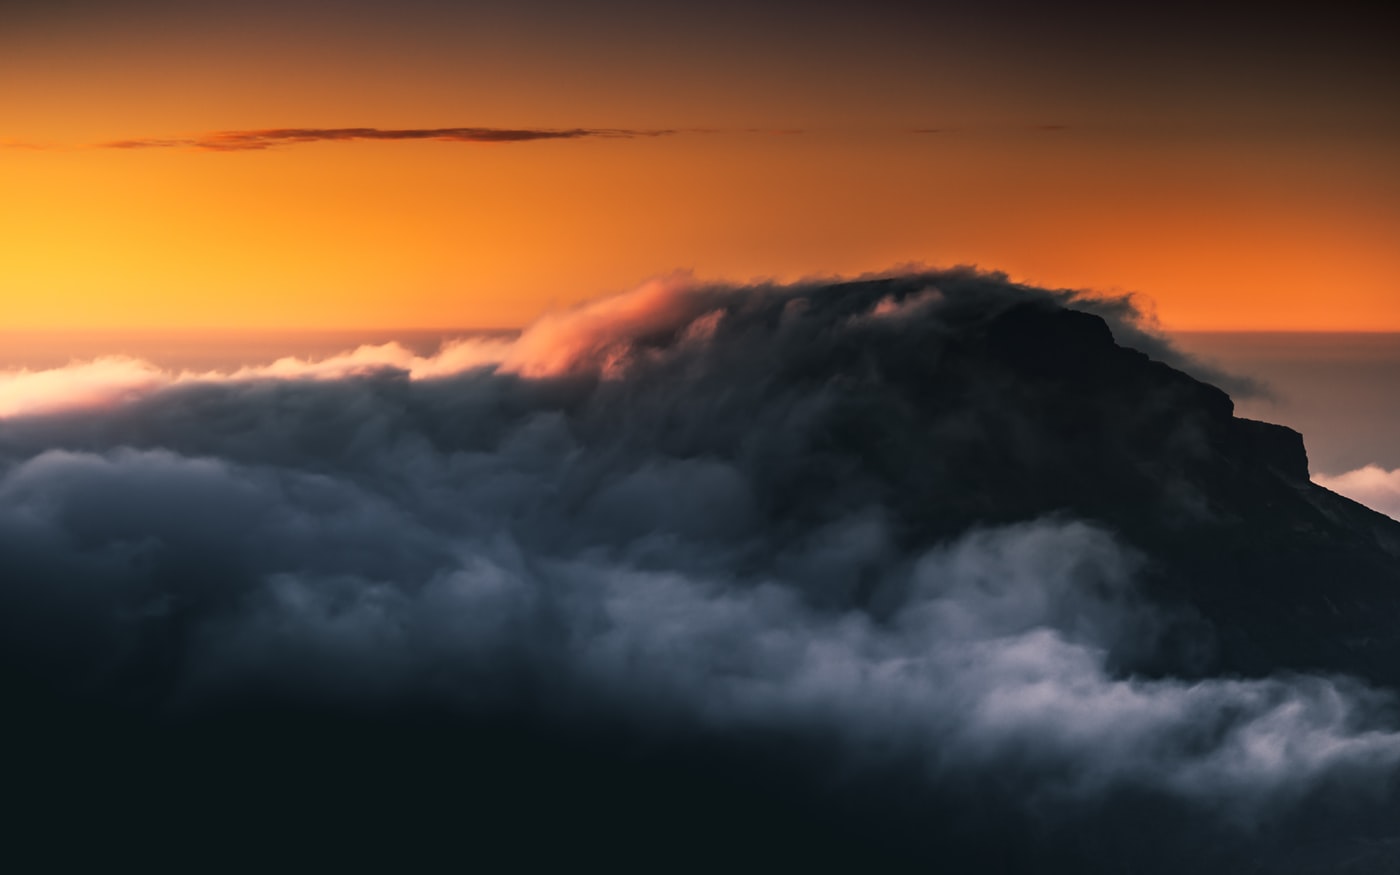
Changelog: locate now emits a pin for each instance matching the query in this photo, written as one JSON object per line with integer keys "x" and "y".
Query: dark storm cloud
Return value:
{"x": 254, "y": 140}
{"x": 692, "y": 509}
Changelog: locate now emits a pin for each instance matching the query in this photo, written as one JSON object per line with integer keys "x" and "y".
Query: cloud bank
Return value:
{"x": 656, "y": 511}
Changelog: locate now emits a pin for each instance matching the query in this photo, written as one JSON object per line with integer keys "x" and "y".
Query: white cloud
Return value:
{"x": 1372, "y": 485}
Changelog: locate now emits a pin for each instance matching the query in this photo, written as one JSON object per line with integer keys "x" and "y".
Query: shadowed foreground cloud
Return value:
{"x": 653, "y": 512}
{"x": 248, "y": 141}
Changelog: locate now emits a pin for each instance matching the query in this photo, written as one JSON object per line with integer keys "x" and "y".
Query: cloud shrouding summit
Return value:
{"x": 652, "y": 510}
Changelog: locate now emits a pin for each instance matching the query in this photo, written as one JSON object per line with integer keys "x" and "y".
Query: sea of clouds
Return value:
{"x": 634, "y": 509}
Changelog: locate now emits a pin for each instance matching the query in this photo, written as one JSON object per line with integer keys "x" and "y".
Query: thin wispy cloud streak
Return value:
{"x": 270, "y": 138}
{"x": 262, "y": 139}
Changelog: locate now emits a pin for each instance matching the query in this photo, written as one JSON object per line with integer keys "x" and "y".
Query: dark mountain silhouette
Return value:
{"x": 1053, "y": 416}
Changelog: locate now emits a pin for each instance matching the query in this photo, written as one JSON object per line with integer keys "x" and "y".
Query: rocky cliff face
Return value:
{"x": 1288, "y": 574}
{"x": 1034, "y": 409}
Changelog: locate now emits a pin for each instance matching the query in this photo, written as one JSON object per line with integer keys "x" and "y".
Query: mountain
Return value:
{"x": 1037, "y": 410}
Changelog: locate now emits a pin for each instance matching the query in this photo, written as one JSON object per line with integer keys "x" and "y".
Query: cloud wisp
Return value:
{"x": 659, "y": 510}
{"x": 271, "y": 138}
{"x": 1371, "y": 485}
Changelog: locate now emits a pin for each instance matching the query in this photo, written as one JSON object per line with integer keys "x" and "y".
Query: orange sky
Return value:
{"x": 1234, "y": 199}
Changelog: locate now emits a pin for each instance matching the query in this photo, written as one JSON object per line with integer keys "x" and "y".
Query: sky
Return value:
{"x": 432, "y": 165}
{"x": 1338, "y": 390}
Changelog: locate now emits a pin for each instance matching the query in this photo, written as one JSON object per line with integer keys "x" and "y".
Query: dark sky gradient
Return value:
{"x": 1193, "y": 68}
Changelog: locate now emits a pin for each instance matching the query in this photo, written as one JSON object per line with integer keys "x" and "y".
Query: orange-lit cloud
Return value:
{"x": 110, "y": 381}
{"x": 600, "y": 331}
{"x": 595, "y": 335}
{"x": 604, "y": 338}
{"x": 104, "y": 382}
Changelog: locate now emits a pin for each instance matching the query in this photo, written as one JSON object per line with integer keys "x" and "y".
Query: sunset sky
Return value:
{"x": 433, "y": 165}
